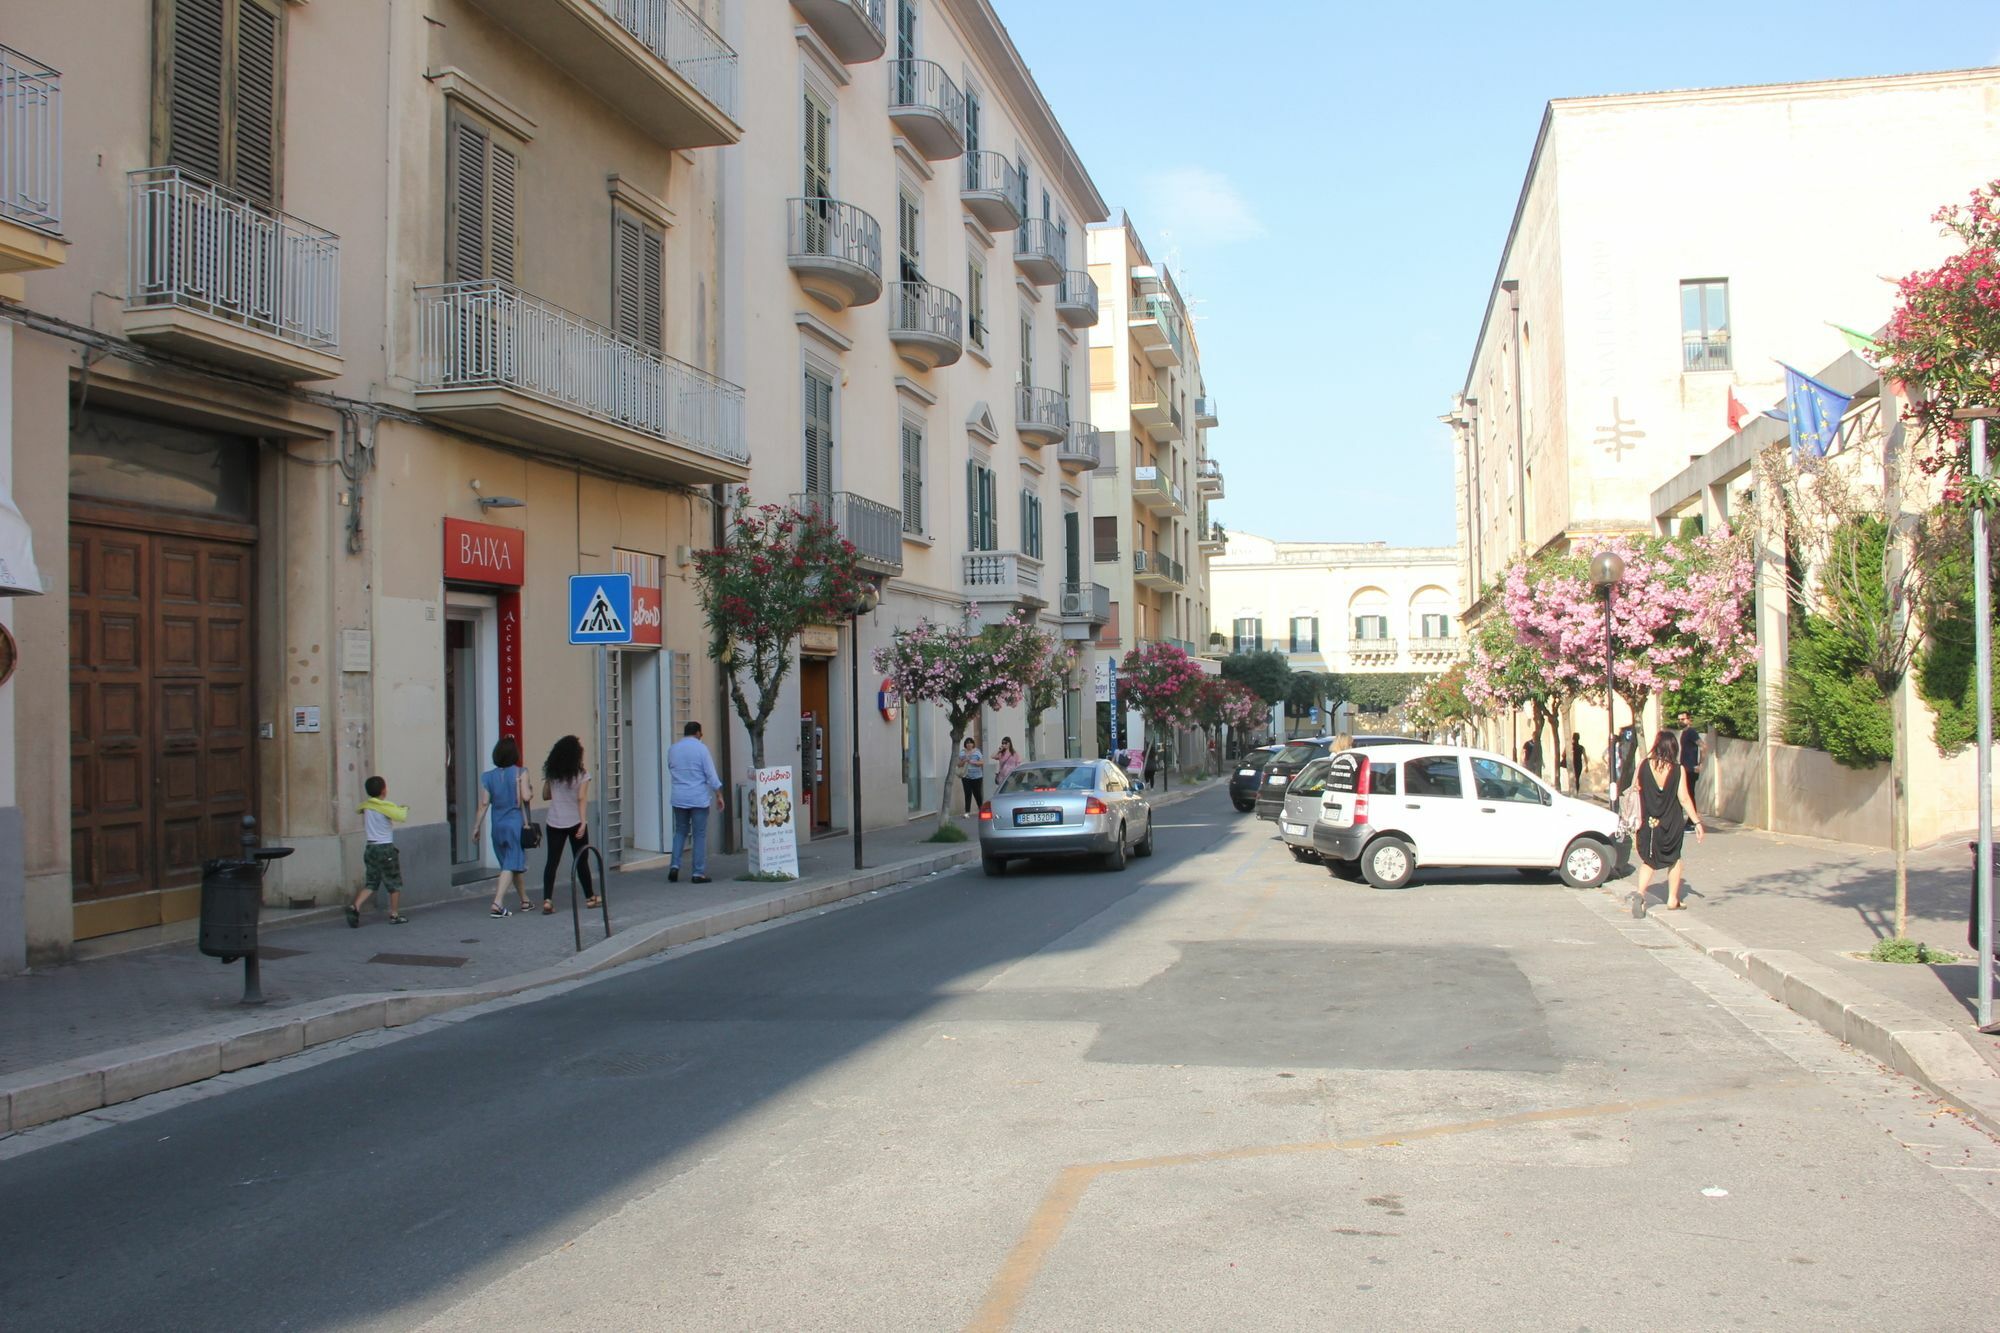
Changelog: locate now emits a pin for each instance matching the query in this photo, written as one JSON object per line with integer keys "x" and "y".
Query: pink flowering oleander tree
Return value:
{"x": 1508, "y": 671}
{"x": 1048, "y": 679}
{"x": 963, "y": 668}
{"x": 1164, "y": 684}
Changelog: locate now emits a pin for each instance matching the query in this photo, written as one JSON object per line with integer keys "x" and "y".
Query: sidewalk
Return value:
{"x": 1789, "y": 912}
{"x": 106, "y": 1030}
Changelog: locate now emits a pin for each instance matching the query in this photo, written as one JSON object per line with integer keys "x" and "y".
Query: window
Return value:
{"x": 982, "y": 508}
{"x": 638, "y": 259}
{"x": 913, "y": 476}
{"x": 219, "y": 91}
{"x": 975, "y": 302}
{"x": 1072, "y": 547}
{"x": 1311, "y": 780}
{"x": 479, "y": 204}
{"x": 1436, "y": 625}
{"x": 1027, "y": 349}
{"x": 1031, "y": 524}
{"x": 971, "y": 136}
{"x": 1705, "y": 324}
{"x": 1104, "y": 539}
{"x": 1063, "y": 377}
{"x": 906, "y": 51}
{"x": 1305, "y": 634}
{"x": 818, "y": 416}
{"x": 909, "y": 235}
{"x": 1496, "y": 781}
{"x": 1436, "y": 775}
{"x": 1371, "y": 627}
{"x": 1249, "y": 635}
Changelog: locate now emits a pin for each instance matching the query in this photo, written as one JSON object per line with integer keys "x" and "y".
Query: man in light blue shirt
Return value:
{"x": 696, "y": 787}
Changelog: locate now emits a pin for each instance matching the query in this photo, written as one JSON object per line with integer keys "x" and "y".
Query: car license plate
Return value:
{"x": 1037, "y": 817}
{"x": 1296, "y": 830}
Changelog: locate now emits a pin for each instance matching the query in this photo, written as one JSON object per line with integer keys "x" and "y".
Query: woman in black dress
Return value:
{"x": 1664, "y": 815}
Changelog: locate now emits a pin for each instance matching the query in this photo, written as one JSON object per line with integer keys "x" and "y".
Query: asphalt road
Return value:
{"x": 1218, "y": 1090}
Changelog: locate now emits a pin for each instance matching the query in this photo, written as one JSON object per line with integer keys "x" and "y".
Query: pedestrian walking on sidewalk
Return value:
{"x": 972, "y": 775}
{"x": 1624, "y": 757}
{"x": 504, "y": 794}
{"x": 566, "y": 788}
{"x": 1576, "y": 761}
{"x": 697, "y": 788}
{"x": 1531, "y": 755}
{"x": 1665, "y": 812}
{"x": 1152, "y": 762}
{"x": 1691, "y": 754}
{"x": 1005, "y": 760}
{"x": 381, "y": 863}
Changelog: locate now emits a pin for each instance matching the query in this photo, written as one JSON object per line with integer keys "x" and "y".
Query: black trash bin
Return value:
{"x": 232, "y": 896}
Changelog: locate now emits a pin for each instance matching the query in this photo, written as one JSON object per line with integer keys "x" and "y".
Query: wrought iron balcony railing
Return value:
{"x": 875, "y": 529}
{"x": 676, "y": 34}
{"x": 30, "y": 142}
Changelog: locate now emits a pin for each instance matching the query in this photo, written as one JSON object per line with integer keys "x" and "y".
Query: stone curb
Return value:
{"x": 1912, "y": 1043}
{"x": 54, "y": 1092}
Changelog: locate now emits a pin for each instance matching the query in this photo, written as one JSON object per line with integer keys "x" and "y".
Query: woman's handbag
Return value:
{"x": 531, "y": 832}
{"x": 1629, "y": 810}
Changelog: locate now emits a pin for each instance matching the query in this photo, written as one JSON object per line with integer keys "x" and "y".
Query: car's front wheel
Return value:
{"x": 1586, "y": 863}
{"x": 1388, "y": 863}
{"x": 1145, "y": 847}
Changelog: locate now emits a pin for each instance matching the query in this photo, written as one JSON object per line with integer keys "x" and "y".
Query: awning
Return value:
{"x": 18, "y": 575}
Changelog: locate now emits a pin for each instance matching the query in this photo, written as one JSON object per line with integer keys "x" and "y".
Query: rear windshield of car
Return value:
{"x": 1344, "y": 770}
{"x": 1051, "y": 778}
{"x": 1295, "y": 754}
{"x": 1311, "y": 780}
{"x": 1257, "y": 758}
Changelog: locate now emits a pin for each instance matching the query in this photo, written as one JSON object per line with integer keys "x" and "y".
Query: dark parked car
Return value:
{"x": 1243, "y": 782}
{"x": 1277, "y": 774}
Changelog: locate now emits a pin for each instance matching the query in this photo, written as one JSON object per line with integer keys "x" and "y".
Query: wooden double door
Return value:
{"x": 162, "y": 765}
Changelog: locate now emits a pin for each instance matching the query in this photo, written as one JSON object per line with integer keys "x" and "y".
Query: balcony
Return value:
{"x": 927, "y": 108}
{"x": 1160, "y": 417}
{"x": 1085, "y": 607}
{"x": 1082, "y": 450}
{"x": 854, "y": 30}
{"x": 1433, "y": 650}
{"x": 1002, "y": 582}
{"x": 1151, "y": 489}
{"x": 1700, "y": 352}
{"x": 1372, "y": 652}
{"x": 1038, "y": 252}
{"x": 30, "y": 164}
{"x": 994, "y": 191}
{"x": 499, "y": 361}
{"x": 1208, "y": 478}
{"x": 213, "y": 274}
{"x": 926, "y": 323}
{"x": 1204, "y": 414}
{"x": 875, "y": 529}
{"x": 1152, "y": 570}
{"x": 653, "y": 61}
{"x": 1156, "y": 328}
{"x": 836, "y": 251}
{"x": 1213, "y": 540}
{"x": 1076, "y": 299}
{"x": 1040, "y": 415}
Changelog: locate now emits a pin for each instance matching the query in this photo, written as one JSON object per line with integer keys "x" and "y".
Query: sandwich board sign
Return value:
{"x": 600, "y": 609}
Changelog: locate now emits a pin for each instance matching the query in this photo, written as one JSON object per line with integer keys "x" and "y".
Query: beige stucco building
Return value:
{"x": 1338, "y": 606}
{"x": 1667, "y": 248}
{"x": 1153, "y": 533}
{"x": 374, "y": 323}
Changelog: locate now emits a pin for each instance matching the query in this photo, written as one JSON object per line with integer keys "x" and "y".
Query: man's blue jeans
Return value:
{"x": 691, "y": 821}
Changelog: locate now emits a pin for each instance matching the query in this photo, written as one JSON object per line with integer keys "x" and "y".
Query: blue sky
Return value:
{"x": 1332, "y": 183}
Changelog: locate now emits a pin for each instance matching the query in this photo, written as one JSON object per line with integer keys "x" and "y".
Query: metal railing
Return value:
{"x": 1161, "y": 311}
{"x": 1155, "y": 564}
{"x": 875, "y": 529}
{"x": 30, "y": 142}
{"x": 1083, "y": 600}
{"x": 1174, "y": 415}
{"x": 1084, "y": 442}
{"x": 1009, "y": 573}
{"x": 487, "y": 334}
{"x": 203, "y": 248}
{"x": 830, "y": 229}
{"x": 676, "y": 34}
{"x": 923, "y": 85}
{"x": 991, "y": 173}
{"x": 1207, "y": 469}
{"x": 918, "y": 307}
{"x": 1078, "y": 288}
{"x": 1704, "y": 353}
{"x": 1204, "y": 410}
{"x": 1148, "y": 481}
{"x": 1044, "y": 409}
{"x": 1037, "y": 240}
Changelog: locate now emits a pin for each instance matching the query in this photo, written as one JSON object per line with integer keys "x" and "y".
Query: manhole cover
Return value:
{"x": 419, "y": 960}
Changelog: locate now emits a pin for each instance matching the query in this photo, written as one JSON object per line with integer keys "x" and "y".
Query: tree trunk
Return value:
{"x": 951, "y": 761}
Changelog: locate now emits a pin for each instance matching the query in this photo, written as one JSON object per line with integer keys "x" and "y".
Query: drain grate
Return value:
{"x": 419, "y": 960}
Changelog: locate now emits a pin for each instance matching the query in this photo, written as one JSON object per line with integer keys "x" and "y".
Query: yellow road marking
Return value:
{"x": 1010, "y": 1285}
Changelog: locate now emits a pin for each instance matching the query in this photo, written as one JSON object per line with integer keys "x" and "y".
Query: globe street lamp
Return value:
{"x": 864, "y": 601}
{"x": 1606, "y": 569}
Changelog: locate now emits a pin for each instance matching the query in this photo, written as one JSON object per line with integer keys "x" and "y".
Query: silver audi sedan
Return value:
{"x": 1066, "y": 807}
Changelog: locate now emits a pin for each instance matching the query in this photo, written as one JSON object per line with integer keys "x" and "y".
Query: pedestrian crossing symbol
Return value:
{"x": 600, "y": 608}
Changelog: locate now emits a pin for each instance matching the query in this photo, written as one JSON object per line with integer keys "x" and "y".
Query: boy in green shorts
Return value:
{"x": 380, "y": 863}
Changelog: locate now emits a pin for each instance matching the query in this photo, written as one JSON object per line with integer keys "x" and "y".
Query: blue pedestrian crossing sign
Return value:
{"x": 600, "y": 608}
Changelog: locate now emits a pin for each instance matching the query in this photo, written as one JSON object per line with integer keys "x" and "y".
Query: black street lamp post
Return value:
{"x": 1606, "y": 569}
{"x": 865, "y": 602}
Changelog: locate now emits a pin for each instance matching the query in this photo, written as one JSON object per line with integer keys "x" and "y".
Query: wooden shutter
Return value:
{"x": 909, "y": 237}
{"x": 500, "y": 237}
{"x": 972, "y": 506}
{"x": 913, "y": 477}
{"x": 1104, "y": 537}
{"x": 1072, "y": 546}
{"x": 254, "y": 135}
{"x": 1027, "y": 525}
{"x": 480, "y": 236}
{"x": 818, "y": 433}
{"x": 992, "y": 488}
{"x": 971, "y": 131}
{"x": 196, "y": 93}
{"x": 637, "y": 263}
{"x": 217, "y": 98}
{"x": 818, "y": 148}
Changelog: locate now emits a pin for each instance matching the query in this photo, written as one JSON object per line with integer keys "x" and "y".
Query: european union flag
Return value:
{"x": 1812, "y": 412}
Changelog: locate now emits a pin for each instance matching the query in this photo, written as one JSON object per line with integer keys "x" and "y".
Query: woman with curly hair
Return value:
{"x": 566, "y": 788}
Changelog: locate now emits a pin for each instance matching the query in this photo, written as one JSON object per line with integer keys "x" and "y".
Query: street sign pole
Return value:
{"x": 600, "y": 825}
{"x": 600, "y": 616}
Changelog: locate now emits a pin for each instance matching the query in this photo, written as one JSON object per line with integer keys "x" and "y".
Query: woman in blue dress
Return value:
{"x": 503, "y": 793}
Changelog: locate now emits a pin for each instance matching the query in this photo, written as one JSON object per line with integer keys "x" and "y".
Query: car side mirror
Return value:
{"x": 1138, "y": 785}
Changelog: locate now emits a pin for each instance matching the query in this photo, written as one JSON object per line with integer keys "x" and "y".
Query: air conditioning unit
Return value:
{"x": 1073, "y": 603}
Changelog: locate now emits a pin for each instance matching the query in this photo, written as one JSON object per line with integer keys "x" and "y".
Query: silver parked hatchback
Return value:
{"x": 1066, "y": 807}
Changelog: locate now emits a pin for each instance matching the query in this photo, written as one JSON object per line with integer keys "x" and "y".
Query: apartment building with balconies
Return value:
{"x": 1345, "y": 607}
{"x": 907, "y": 302}
{"x": 1153, "y": 535}
{"x": 374, "y": 323}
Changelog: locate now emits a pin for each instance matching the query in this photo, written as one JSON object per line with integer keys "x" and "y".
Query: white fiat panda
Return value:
{"x": 1389, "y": 810}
